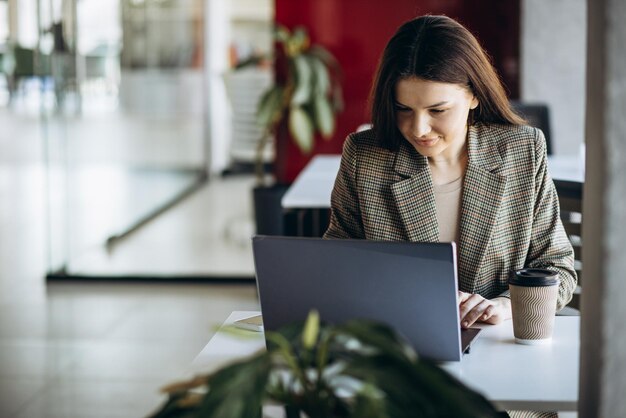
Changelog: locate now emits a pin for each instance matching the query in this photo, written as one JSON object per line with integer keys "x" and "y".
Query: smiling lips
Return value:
{"x": 426, "y": 142}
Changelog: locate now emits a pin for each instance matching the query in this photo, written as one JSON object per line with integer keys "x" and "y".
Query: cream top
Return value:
{"x": 448, "y": 204}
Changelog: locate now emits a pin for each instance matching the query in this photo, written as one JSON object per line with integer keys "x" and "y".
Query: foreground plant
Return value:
{"x": 359, "y": 369}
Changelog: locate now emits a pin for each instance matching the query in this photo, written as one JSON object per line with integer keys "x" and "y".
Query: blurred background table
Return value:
{"x": 306, "y": 203}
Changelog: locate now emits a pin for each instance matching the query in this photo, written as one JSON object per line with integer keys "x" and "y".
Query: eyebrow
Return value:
{"x": 437, "y": 104}
{"x": 427, "y": 107}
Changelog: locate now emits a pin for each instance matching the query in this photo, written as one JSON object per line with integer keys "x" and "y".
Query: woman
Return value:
{"x": 448, "y": 160}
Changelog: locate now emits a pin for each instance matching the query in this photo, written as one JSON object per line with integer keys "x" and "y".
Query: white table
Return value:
{"x": 512, "y": 376}
{"x": 313, "y": 186}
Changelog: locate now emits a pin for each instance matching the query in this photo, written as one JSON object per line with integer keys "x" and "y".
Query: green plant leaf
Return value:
{"x": 303, "y": 81}
{"x": 368, "y": 403}
{"x": 279, "y": 346}
{"x": 433, "y": 391}
{"x": 449, "y": 396}
{"x": 270, "y": 107}
{"x": 324, "y": 116}
{"x": 311, "y": 330}
{"x": 292, "y": 411}
{"x": 322, "y": 350}
{"x": 297, "y": 42}
{"x": 238, "y": 390}
{"x": 301, "y": 128}
{"x": 381, "y": 337}
{"x": 172, "y": 409}
{"x": 392, "y": 378}
{"x": 281, "y": 34}
{"x": 321, "y": 79}
{"x": 326, "y": 57}
{"x": 300, "y": 39}
{"x": 335, "y": 74}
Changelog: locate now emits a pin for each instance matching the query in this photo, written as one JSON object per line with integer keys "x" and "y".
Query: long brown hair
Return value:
{"x": 436, "y": 48}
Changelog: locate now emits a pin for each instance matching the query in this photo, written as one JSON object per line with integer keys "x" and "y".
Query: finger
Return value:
{"x": 468, "y": 305}
{"x": 488, "y": 313}
{"x": 462, "y": 296}
{"x": 476, "y": 313}
{"x": 495, "y": 317}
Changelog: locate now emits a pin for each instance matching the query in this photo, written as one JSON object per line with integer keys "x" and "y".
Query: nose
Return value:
{"x": 421, "y": 126}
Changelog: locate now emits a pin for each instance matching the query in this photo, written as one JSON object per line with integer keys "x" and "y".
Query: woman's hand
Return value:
{"x": 474, "y": 307}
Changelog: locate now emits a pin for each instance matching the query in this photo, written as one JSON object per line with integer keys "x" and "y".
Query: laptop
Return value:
{"x": 410, "y": 286}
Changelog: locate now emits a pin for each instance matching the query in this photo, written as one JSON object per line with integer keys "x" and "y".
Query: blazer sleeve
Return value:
{"x": 345, "y": 212}
{"x": 549, "y": 245}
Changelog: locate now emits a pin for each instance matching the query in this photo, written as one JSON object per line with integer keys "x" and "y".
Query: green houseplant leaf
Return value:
{"x": 303, "y": 81}
{"x": 311, "y": 330}
{"x": 298, "y": 42}
{"x": 324, "y": 116}
{"x": 301, "y": 128}
{"x": 281, "y": 34}
{"x": 237, "y": 391}
{"x": 269, "y": 108}
{"x": 320, "y": 75}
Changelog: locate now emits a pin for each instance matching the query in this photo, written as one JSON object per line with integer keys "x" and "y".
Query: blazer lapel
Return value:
{"x": 483, "y": 190}
{"x": 414, "y": 195}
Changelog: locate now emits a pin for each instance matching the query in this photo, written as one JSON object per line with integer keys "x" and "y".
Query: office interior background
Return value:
{"x": 127, "y": 138}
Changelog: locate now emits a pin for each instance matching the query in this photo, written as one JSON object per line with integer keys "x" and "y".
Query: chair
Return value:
{"x": 570, "y": 200}
{"x": 537, "y": 115}
{"x": 22, "y": 63}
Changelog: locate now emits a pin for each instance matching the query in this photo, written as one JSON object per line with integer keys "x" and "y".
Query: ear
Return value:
{"x": 474, "y": 103}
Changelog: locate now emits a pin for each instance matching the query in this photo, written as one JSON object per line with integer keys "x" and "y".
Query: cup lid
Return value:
{"x": 532, "y": 277}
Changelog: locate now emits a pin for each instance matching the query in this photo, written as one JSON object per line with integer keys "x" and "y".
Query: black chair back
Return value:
{"x": 537, "y": 115}
{"x": 570, "y": 201}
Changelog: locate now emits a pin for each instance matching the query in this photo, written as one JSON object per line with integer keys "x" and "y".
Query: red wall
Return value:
{"x": 356, "y": 32}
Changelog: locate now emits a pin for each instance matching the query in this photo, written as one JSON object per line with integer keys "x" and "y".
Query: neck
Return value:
{"x": 445, "y": 170}
{"x": 455, "y": 154}
{"x": 453, "y": 158}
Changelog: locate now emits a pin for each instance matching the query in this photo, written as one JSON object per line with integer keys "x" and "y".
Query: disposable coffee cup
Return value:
{"x": 533, "y": 302}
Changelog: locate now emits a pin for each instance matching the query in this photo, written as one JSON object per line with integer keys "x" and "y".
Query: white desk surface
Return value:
{"x": 512, "y": 376}
{"x": 313, "y": 186}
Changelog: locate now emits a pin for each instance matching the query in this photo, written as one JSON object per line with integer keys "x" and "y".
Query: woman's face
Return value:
{"x": 432, "y": 116}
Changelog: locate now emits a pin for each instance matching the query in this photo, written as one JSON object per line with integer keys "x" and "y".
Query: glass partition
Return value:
{"x": 123, "y": 117}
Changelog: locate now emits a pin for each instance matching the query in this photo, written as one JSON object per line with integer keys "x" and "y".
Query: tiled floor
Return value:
{"x": 83, "y": 350}
{"x": 104, "y": 350}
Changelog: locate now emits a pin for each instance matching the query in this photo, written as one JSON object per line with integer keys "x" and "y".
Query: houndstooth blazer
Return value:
{"x": 509, "y": 208}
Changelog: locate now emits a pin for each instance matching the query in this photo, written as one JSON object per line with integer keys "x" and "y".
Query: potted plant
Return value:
{"x": 302, "y": 104}
{"x": 358, "y": 369}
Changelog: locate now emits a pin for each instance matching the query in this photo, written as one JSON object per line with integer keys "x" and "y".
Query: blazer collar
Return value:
{"x": 408, "y": 161}
{"x": 413, "y": 194}
{"x": 481, "y": 149}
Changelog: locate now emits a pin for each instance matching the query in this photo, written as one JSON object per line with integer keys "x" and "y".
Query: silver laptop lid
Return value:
{"x": 410, "y": 286}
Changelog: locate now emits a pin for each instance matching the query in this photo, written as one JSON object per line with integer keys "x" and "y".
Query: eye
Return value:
{"x": 437, "y": 110}
{"x": 402, "y": 109}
